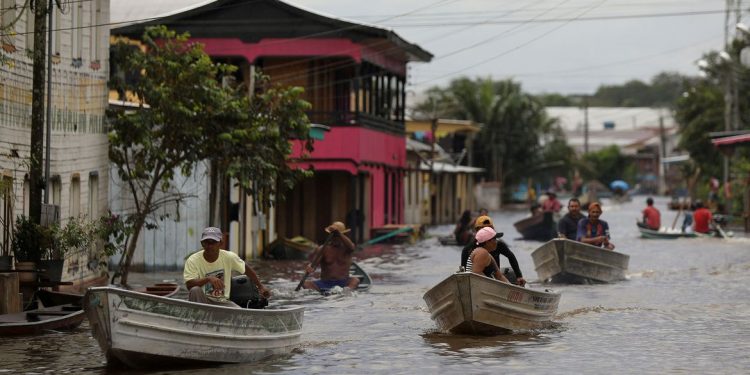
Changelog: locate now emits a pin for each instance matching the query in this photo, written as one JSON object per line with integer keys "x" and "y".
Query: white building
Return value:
{"x": 78, "y": 155}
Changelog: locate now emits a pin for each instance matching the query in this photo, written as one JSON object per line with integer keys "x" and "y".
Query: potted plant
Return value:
{"x": 27, "y": 247}
{"x": 63, "y": 241}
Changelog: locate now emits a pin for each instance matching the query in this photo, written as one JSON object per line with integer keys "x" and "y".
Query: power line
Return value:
{"x": 576, "y": 19}
{"x": 516, "y": 47}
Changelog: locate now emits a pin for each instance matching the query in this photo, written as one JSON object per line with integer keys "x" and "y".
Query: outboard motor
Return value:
{"x": 720, "y": 220}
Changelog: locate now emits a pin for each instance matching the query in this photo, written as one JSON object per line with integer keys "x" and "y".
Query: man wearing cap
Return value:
{"x": 501, "y": 248}
{"x": 208, "y": 273}
{"x": 567, "y": 227}
{"x": 480, "y": 261}
{"x": 593, "y": 231}
{"x": 335, "y": 260}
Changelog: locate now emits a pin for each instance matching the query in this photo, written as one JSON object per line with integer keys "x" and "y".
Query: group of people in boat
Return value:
{"x": 207, "y": 273}
{"x": 591, "y": 230}
{"x": 698, "y": 217}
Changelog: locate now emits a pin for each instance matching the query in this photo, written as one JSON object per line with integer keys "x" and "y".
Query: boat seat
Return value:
{"x": 38, "y": 313}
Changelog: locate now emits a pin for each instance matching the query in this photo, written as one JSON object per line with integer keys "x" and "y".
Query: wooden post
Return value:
{"x": 10, "y": 298}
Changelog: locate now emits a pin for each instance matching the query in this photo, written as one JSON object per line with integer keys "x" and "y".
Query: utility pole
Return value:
{"x": 662, "y": 155}
{"x": 585, "y": 125}
{"x": 37, "y": 111}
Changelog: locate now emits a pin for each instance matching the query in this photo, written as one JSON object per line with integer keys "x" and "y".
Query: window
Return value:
{"x": 26, "y": 195}
{"x": 8, "y": 14}
{"x": 6, "y": 213}
{"x": 56, "y": 190}
{"x": 77, "y": 31}
{"x": 29, "y": 29}
{"x": 75, "y": 196}
{"x": 96, "y": 30}
{"x": 56, "y": 28}
{"x": 93, "y": 196}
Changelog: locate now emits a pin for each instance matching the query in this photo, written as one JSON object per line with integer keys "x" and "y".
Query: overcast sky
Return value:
{"x": 566, "y": 46}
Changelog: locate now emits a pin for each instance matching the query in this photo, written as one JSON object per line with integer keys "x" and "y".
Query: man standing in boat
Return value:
{"x": 651, "y": 215}
{"x": 567, "y": 227}
{"x": 335, "y": 258}
{"x": 593, "y": 231}
{"x": 208, "y": 273}
{"x": 501, "y": 248}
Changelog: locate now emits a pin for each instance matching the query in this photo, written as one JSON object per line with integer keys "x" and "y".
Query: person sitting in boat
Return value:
{"x": 480, "y": 260}
{"x": 567, "y": 227}
{"x": 593, "y": 231}
{"x": 687, "y": 222}
{"x": 462, "y": 232}
{"x": 208, "y": 273}
{"x": 501, "y": 249}
{"x": 551, "y": 204}
{"x": 701, "y": 218}
{"x": 651, "y": 215}
{"x": 536, "y": 209}
{"x": 483, "y": 212}
{"x": 335, "y": 260}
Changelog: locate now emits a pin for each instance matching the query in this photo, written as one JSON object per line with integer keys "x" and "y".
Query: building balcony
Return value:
{"x": 367, "y": 120}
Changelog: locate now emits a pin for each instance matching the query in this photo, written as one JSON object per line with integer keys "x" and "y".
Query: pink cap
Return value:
{"x": 485, "y": 234}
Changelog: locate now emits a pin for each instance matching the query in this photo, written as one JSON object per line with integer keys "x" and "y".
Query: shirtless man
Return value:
{"x": 335, "y": 260}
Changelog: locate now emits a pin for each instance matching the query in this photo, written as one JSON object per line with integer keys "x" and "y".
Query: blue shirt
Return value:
{"x": 600, "y": 229}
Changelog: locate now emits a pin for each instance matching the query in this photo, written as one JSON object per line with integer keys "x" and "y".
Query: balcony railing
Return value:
{"x": 356, "y": 119}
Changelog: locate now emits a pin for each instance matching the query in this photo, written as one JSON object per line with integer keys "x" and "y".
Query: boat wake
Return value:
{"x": 597, "y": 310}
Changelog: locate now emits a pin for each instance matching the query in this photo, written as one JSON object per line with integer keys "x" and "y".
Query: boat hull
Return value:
{"x": 38, "y": 321}
{"x": 567, "y": 261}
{"x": 467, "y": 303}
{"x": 538, "y": 227}
{"x": 655, "y": 234}
{"x": 143, "y": 331}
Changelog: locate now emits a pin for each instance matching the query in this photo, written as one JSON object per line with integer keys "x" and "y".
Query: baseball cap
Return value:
{"x": 485, "y": 234}
{"x": 211, "y": 233}
{"x": 483, "y": 220}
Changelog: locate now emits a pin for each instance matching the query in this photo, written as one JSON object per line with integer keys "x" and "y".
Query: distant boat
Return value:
{"x": 469, "y": 303}
{"x": 567, "y": 261}
{"x": 144, "y": 331}
{"x": 658, "y": 234}
{"x": 58, "y": 311}
{"x": 298, "y": 248}
{"x": 538, "y": 227}
{"x": 448, "y": 240}
{"x": 161, "y": 289}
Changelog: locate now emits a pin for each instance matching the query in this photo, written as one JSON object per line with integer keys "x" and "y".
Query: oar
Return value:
{"x": 678, "y": 214}
{"x": 316, "y": 260}
{"x": 384, "y": 237}
{"x": 721, "y": 231}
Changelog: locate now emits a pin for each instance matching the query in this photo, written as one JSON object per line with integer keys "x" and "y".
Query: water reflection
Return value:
{"x": 483, "y": 346}
{"x": 684, "y": 309}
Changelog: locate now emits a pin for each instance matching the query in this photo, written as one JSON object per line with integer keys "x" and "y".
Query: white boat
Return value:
{"x": 567, "y": 261}
{"x": 470, "y": 303}
{"x": 143, "y": 331}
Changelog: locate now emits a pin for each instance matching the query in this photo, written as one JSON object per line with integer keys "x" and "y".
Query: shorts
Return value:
{"x": 330, "y": 284}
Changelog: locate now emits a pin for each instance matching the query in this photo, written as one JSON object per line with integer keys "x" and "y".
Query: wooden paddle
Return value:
{"x": 315, "y": 261}
{"x": 678, "y": 212}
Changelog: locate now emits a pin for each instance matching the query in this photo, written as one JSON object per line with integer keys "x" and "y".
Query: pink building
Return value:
{"x": 354, "y": 76}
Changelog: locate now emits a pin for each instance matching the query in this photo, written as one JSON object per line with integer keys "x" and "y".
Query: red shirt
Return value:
{"x": 653, "y": 217}
{"x": 551, "y": 205}
{"x": 701, "y": 218}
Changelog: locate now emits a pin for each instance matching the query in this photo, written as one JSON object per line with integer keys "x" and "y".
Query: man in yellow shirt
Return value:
{"x": 208, "y": 273}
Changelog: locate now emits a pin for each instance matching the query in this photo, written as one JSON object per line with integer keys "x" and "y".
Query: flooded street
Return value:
{"x": 684, "y": 309}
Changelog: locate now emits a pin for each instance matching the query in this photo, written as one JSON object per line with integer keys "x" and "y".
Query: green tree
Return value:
{"x": 699, "y": 112}
{"x": 607, "y": 165}
{"x": 186, "y": 117}
{"x": 509, "y": 145}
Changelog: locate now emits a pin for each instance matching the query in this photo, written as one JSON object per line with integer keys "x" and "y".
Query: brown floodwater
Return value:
{"x": 684, "y": 309}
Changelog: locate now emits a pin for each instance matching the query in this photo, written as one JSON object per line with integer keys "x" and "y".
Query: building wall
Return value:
{"x": 78, "y": 152}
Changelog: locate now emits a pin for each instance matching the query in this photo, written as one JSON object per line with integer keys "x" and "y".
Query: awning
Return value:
{"x": 439, "y": 167}
{"x": 731, "y": 140}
